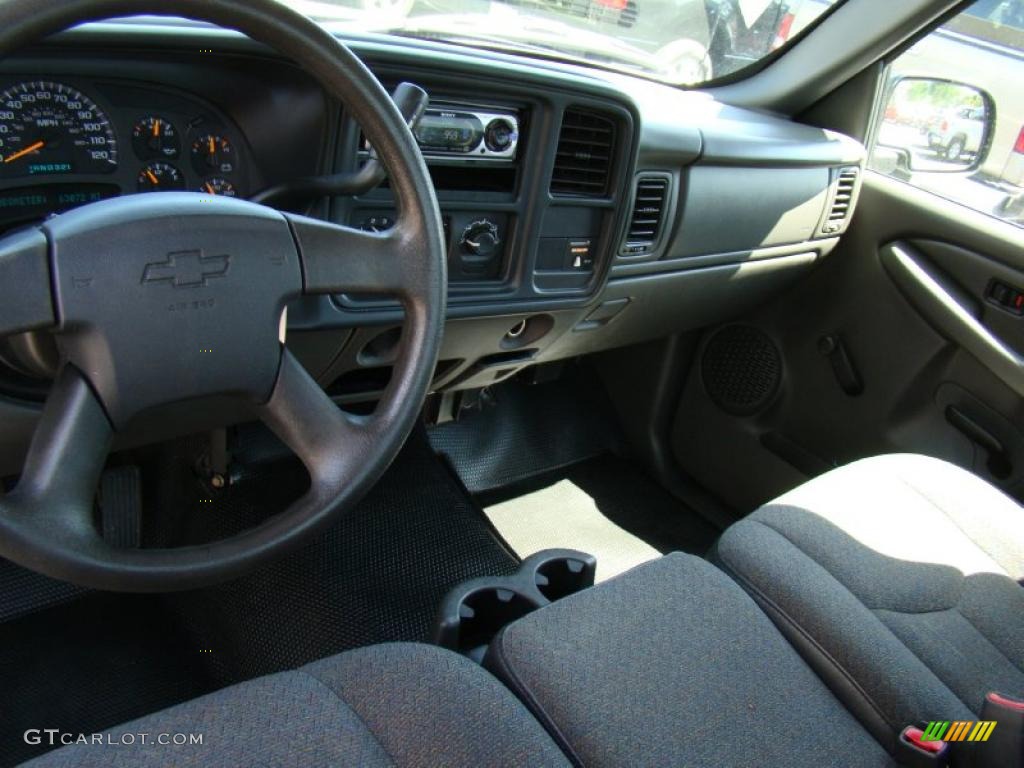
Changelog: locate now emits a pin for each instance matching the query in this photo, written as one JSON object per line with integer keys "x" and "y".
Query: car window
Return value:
{"x": 953, "y": 117}
{"x": 678, "y": 41}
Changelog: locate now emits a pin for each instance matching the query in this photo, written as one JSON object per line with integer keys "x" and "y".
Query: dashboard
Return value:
{"x": 583, "y": 210}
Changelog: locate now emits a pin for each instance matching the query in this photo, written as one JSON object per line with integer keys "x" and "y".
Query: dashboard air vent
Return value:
{"x": 584, "y": 156}
{"x": 648, "y": 214}
{"x": 842, "y": 202}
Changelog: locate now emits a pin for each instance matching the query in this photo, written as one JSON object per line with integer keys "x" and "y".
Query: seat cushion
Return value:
{"x": 673, "y": 664}
{"x": 386, "y": 705}
{"x": 899, "y": 578}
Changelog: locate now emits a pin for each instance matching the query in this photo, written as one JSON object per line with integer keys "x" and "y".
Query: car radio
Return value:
{"x": 453, "y": 132}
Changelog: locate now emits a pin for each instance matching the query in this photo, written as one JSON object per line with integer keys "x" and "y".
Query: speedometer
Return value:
{"x": 49, "y": 128}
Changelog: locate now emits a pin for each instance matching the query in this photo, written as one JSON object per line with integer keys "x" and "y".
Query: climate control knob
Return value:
{"x": 481, "y": 238}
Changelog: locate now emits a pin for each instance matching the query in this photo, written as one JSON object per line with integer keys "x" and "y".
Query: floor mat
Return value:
{"x": 83, "y": 667}
{"x": 604, "y": 506}
{"x": 521, "y": 430}
{"x": 378, "y": 575}
{"x": 23, "y": 592}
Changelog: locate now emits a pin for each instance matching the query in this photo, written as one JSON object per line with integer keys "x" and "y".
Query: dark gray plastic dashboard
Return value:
{"x": 748, "y": 204}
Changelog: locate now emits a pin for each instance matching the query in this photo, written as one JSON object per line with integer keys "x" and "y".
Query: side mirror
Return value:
{"x": 943, "y": 126}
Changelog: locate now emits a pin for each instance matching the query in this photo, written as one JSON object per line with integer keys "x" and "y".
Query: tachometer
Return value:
{"x": 49, "y": 128}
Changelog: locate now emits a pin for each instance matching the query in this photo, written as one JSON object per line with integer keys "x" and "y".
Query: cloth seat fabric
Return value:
{"x": 899, "y": 579}
{"x": 673, "y": 664}
{"x": 397, "y": 704}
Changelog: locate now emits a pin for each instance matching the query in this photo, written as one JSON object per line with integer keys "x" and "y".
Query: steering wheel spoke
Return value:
{"x": 25, "y": 283}
{"x": 327, "y": 440}
{"x": 58, "y": 483}
{"x": 339, "y": 259}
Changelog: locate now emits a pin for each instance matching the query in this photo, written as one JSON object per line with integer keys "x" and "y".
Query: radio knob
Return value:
{"x": 481, "y": 238}
{"x": 499, "y": 135}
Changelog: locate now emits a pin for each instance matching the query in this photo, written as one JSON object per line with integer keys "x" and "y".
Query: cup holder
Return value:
{"x": 474, "y": 612}
{"x": 562, "y": 576}
{"x": 483, "y": 613}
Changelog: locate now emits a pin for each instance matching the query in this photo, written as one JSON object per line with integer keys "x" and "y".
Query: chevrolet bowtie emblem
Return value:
{"x": 186, "y": 269}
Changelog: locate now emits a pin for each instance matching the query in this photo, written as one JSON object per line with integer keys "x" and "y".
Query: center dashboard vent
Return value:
{"x": 841, "y": 208}
{"x": 648, "y": 216}
{"x": 586, "y": 145}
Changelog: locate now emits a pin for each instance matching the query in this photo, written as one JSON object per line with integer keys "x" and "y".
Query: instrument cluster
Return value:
{"x": 64, "y": 144}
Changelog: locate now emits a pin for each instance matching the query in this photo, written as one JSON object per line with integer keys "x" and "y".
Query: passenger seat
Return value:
{"x": 899, "y": 578}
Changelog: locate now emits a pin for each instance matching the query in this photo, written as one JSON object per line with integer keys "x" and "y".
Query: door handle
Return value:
{"x": 949, "y": 316}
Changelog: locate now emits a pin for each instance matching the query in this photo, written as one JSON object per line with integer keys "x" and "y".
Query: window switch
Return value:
{"x": 1007, "y": 297}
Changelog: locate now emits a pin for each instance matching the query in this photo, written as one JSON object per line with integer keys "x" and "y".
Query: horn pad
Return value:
{"x": 180, "y": 294}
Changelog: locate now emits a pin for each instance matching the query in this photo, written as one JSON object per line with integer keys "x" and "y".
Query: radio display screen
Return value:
{"x": 449, "y": 131}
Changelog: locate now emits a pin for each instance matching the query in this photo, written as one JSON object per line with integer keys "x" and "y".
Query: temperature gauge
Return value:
{"x": 155, "y": 137}
{"x": 218, "y": 186}
{"x": 160, "y": 177}
{"x": 213, "y": 154}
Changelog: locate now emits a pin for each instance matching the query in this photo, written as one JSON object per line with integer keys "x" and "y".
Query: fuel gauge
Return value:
{"x": 160, "y": 177}
{"x": 213, "y": 154}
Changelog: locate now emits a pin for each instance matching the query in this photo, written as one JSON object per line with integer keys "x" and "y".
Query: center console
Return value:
{"x": 530, "y": 186}
{"x": 470, "y": 149}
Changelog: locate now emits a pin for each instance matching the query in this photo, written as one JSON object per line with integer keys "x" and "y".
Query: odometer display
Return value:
{"x": 30, "y": 204}
{"x": 48, "y": 129}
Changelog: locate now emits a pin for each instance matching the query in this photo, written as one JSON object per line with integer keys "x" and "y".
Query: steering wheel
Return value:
{"x": 163, "y": 297}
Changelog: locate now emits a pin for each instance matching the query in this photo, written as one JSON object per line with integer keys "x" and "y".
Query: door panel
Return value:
{"x": 958, "y": 301}
{"x": 903, "y": 307}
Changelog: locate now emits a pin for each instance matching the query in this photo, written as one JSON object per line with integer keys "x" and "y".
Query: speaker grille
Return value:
{"x": 741, "y": 368}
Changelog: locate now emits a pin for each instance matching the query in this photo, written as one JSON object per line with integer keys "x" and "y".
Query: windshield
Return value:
{"x": 679, "y": 41}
